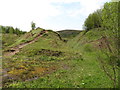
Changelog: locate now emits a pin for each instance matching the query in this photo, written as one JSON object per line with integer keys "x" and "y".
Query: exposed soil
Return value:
{"x": 50, "y": 52}
{"x": 101, "y": 43}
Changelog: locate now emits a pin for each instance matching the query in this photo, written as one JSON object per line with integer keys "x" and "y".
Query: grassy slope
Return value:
{"x": 49, "y": 40}
{"x": 27, "y": 37}
{"x": 80, "y": 40}
{"x": 34, "y": 59}
{"x": 8, "y": 39}
{"x": 71, "y": 69}
{"x": 88, "y": 45}
{"x": 73, "y": 74}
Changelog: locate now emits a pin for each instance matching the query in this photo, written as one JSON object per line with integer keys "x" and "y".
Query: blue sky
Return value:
{"x": 48, "y": 14}
{"x": 65, "y": 20}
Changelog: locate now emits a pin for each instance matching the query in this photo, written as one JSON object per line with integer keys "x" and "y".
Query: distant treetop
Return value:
{"x": 11, "y": 30}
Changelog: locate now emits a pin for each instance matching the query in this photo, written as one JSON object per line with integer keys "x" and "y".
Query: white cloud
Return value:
{"x": 87, "y": 7}
{"x": 19, "y": 13}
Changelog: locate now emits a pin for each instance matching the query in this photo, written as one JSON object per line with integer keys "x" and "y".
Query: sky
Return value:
{"x": 47, "y": 14}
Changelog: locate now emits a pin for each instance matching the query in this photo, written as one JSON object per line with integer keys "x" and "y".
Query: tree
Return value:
{"x": 7, "y": 29}
{"x": 33, "y": 25}
{"x": 94, "y": 20}
{"x": 17, "y": 31}
{"x": 2, "y": 29}
{"x": 11, "y": 30}
{"x": 88, "y": 23}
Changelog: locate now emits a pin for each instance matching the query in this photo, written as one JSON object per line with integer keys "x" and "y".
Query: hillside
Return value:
{"x": 38, "y": 52}
{"x": 47, "y": 58}
{"x": 43, "y": 58}
{"x": 10, "y": 35}
{"x": 8, "y": 39}
{"x": 33, "y": 37}
{"x": 68, "y": 34}
{"x": 99, "y": 45}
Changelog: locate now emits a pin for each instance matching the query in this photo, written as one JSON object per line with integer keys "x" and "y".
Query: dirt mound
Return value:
{"x": 50, "y": 52}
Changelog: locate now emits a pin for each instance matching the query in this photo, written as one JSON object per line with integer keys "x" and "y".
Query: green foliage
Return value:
{"x": 11, "y": 30}
{"x": 72, "y": 69}
{"x": 94, "y": 20}
{"x": 73, "y": 73}
{"x": 110, "y": 16}
{"x": 107, "y": 18}
{"x": 27, "y": 37}
{"x": 8, "y": 39}
{"x": 56, "y": 64}
{"x": 110, "y": 22}
{"x": 33, "y": 25}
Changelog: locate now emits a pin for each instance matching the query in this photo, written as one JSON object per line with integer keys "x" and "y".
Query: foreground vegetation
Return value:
{"x": 51, "y": 62}
{"x": 45, "y": 60}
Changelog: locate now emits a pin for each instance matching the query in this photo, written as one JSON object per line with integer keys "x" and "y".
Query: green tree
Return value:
{"x": 2, "y": 29}
{"x": 11, "y": 30}
{"x": 110, "y": 16}
{"x": 7, "y": 29}
{"x": 17, "y": 31}
{"x": 33, "y": 25}
{"x": 94, "y": 20}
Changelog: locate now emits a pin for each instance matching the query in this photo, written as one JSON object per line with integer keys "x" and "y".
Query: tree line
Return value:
{"x": 11, "y": 30}
{"x": 107, "y": 17}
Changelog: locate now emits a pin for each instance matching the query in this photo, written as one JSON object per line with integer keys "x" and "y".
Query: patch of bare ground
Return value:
{"x": 100, "y": 43}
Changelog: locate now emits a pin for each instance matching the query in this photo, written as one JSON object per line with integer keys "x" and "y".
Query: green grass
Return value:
{"x": 74, "y": 64}
{"x": 49, "y": 41}
{"x": 8, "y": 39}
{"x": 27, "y": 37}
{"x": 75, "y": 73}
